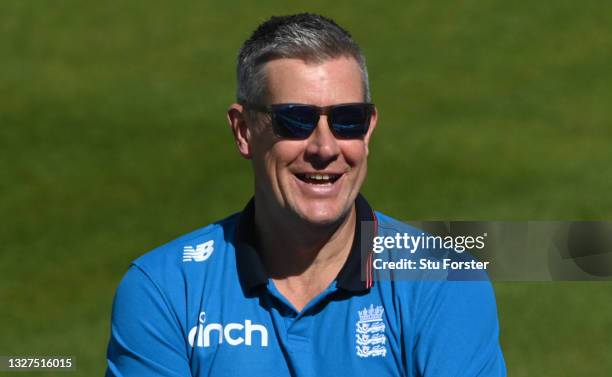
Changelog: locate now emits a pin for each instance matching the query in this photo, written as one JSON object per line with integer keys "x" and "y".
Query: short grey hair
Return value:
{"x": 306, "y": 36}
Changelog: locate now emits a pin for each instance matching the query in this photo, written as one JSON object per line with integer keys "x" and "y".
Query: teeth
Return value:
{"x": 319, "y": 177}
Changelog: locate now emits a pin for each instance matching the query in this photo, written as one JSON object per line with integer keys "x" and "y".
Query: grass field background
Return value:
{"x": 113, "y": 140}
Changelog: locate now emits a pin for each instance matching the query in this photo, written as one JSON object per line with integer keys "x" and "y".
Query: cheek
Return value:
{"x": 263, "y": 152}
{"x": 284, "y": 152}
{"x": 273, "y": 162}
{"x": 355, "y": 153}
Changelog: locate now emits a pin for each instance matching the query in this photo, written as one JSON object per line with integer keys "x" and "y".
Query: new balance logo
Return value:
{"x": 200, "y": 253}
{"x": 232, "y": 333}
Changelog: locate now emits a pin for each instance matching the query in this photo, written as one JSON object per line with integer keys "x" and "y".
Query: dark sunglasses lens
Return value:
{"x": 350, "y": 121}
{"x": 296, "y": 122}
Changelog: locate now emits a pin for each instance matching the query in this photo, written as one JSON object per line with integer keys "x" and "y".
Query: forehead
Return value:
{"x": 324, "y": 83}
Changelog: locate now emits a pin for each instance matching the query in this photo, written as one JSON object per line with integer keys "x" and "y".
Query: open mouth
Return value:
{"x": 319, "y": 179}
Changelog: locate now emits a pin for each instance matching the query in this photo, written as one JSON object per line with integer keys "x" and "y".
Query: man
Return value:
{"x": 277, "y": 290}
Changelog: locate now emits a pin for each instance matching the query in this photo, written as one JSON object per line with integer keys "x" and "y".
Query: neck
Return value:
{"x": 302, "y": 258}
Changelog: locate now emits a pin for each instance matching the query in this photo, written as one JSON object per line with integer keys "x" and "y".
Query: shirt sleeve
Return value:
{"x": 457, "y": 332}
{"x": 146, "y": 337}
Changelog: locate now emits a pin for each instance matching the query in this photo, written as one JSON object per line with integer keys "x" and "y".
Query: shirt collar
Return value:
{"x": 251, "y": 270}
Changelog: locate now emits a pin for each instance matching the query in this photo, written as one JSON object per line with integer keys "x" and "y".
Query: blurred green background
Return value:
{"x": 113, "y": 140}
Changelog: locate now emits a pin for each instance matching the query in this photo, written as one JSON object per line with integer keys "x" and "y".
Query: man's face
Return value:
{"x": 286, "y": 171}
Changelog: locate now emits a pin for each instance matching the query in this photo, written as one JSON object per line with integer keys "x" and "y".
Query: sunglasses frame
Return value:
{"x": 324, "y": 110}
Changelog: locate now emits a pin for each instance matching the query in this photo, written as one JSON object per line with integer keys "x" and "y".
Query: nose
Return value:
{"x": 322, "y": 146}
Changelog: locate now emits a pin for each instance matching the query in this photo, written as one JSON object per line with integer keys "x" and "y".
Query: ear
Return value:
{"x": 368, "y": 135}
{"x": 236, "y": 118}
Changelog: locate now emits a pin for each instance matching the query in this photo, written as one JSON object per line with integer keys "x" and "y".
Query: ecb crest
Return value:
{"x": 370, "y": 336}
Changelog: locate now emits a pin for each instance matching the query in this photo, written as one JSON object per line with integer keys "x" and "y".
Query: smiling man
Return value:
{"x": 306, "y": 179}
{"x": 282, "y": 288}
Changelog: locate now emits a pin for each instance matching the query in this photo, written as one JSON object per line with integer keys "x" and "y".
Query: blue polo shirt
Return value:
{"x": 203, "y": 305}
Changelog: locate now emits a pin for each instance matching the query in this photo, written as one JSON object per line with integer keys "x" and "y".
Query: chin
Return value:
{"x": 322, "y": 214}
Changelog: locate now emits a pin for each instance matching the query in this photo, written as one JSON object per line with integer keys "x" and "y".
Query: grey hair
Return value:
{"x": 310, "y": 37}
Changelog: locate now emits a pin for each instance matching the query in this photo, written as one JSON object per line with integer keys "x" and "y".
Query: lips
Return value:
{"x": 318, "y": 178}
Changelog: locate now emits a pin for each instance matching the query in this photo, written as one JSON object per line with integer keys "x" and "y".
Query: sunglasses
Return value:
{"x": 298, "y": 121}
